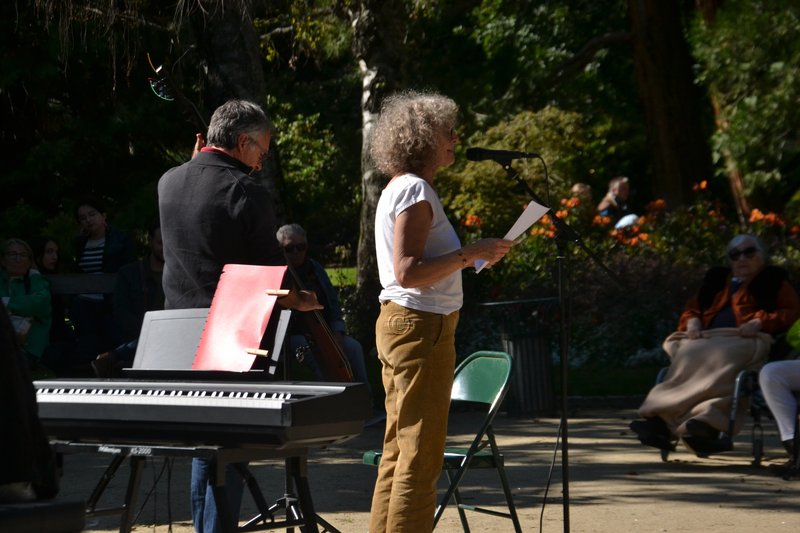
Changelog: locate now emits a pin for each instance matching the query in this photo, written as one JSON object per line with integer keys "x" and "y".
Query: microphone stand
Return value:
{"x": 564, "y": 234}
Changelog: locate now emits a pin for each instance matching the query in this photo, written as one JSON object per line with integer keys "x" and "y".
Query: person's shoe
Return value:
{"x": 649, "y": 427}
{"x": 788, "y": 469}
{"x": 783, "y": 469}
{"x": 653, "y": 432}
{"x": 705, "y": 446}
{"x": 700, "y": 429}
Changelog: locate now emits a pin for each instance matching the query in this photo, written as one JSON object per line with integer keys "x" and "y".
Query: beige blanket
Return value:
{"x": 701, "y": 378}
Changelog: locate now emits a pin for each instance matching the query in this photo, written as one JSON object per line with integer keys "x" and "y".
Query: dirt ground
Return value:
{"x": 615, "y": 484}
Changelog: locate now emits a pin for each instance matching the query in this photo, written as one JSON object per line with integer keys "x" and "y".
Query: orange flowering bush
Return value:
{"x": 472, "y": 221}
{"x": 656, "y": 263}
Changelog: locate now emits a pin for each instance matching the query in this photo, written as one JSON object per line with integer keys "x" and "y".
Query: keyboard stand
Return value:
{"x": 297, "y": 506}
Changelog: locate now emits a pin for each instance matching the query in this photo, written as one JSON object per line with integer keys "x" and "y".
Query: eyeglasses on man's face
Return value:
{"x": 292, "y": 248}
{"x": 17, "y": 255}
{"x": 748, "y": 253}
{"x": 264, "y": 151}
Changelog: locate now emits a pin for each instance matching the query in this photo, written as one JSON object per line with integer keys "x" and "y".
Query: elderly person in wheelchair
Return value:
{"x": 725, "y": 328}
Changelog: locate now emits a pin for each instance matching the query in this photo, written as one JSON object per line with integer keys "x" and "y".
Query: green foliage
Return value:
{"x": 314, "y": 100}
{"x": 748, "y": 57}
{"x": 481, "y": 197}
{"x": 342, "y": 276}
{"x": 620, "y": 318}
{"x": 82, "y": 120}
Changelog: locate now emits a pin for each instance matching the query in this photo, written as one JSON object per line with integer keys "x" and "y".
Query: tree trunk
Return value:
{"x": 377, "y": 27}
{"x": 709, "y": 8}
{"x": 676, "y": 133}
{"x": 731, "y": 167}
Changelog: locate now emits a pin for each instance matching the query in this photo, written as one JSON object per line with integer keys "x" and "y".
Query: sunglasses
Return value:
{"x": 292, "y": 248}
{"x": 749, "y": 253}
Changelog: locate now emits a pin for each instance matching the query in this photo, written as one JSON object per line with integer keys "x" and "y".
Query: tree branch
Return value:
{"x": 572, "y": 66}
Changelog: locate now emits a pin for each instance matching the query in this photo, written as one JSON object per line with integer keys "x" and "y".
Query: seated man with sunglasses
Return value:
{"x": 725, "y": 328}
{"x": 292, "y": 239}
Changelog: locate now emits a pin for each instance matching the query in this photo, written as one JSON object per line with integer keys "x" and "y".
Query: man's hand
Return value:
{"x": 199, "y": 144}
{"x": 300, "y": 301}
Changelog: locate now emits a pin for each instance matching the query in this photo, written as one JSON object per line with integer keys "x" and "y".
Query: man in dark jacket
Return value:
{"x": 214, "y": 213}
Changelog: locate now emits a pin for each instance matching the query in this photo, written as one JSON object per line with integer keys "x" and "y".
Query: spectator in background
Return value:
{"x": 100, "y": 249}
{"x": 582, "y": 191}
{"x": 46, "y": 256}
{"x": 292, "y": 238}
{"x": 780, "y": 383}
{"x": 615, "y": 203}
{"x": 62, "y": 336}
{"x": 26, "y": 296}
{"x": 580, "y": 202}
{"x": 138, "y": 290}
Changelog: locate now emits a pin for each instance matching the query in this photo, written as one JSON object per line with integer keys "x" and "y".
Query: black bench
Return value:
{"x": 51, "y": 516}
{"x": 71, "y": 284}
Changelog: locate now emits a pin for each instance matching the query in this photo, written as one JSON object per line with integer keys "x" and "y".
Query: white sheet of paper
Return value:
{"x": 528, "y": 218}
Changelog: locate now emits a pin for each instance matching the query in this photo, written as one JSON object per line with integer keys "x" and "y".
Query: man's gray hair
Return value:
{"x": 234, "y": 118}
{"x": 287, "y": 230}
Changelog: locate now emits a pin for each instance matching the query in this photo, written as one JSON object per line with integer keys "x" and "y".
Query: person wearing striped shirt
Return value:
{"x": 101, "y": 248}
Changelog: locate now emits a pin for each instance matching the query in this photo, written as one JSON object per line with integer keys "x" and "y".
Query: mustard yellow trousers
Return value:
{"x": 417, "y": 351}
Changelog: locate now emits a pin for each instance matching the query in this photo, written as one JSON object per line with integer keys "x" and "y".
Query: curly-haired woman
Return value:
{"x": 420, "y": 260}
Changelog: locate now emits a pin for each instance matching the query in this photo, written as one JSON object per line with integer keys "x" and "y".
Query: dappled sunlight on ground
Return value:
{"x": 616, "y": 484}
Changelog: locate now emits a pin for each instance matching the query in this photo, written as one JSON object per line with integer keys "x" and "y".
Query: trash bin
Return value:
{"x": 524, "y": 327}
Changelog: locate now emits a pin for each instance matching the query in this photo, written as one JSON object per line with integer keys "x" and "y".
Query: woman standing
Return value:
{"x": 419, "y": 260}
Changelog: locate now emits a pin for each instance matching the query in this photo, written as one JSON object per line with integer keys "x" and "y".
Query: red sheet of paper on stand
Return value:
{"x": 238, "y": 317}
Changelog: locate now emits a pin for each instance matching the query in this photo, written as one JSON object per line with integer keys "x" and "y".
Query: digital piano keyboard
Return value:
{"x": 277, "y": 415}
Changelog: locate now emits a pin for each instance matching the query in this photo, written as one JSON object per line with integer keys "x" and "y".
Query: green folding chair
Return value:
{"x": 481, "y": 379}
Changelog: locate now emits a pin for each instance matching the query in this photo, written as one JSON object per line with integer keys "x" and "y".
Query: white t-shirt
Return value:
{"x": 444, "y": 296}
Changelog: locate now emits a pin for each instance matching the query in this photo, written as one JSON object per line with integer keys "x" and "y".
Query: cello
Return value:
{"x": 329, "y": 353}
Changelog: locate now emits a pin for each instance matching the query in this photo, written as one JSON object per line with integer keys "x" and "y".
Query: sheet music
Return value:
{"x": 528, "y": 218}
{"x": 239, "y": 315}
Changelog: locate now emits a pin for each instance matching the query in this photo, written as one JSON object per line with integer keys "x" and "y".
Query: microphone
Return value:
{"x": 500, "y": 156}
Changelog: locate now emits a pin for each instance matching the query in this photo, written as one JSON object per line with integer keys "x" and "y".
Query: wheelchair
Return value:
{"x": 746, "y": 386}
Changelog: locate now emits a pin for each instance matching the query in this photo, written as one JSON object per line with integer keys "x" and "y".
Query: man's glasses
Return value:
{"x": 264, "y": 153}
{"x": 17, "y": 255}
{"x": 292, "y": 248}
{"x": 749, "y": 253}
